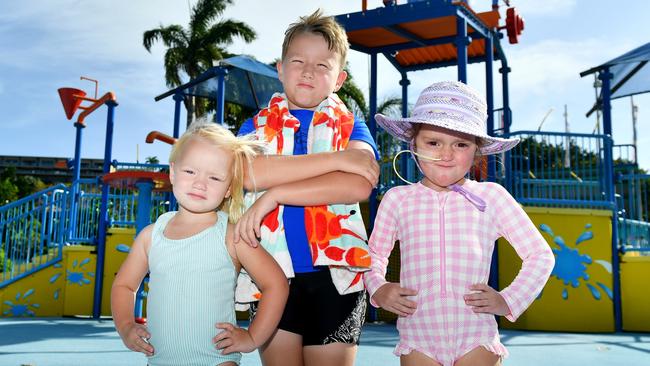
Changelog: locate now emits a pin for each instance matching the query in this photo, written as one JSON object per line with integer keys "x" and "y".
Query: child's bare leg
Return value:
{"x": 333, "y": 354}
{"x": 284, "y": 348}
{"x": 479, "y": 356}
{"x": 416, "y": 358}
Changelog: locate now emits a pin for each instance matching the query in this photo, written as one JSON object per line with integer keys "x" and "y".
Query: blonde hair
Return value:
{"x": 243, "y": 149}
{"x": 325, "y": 26}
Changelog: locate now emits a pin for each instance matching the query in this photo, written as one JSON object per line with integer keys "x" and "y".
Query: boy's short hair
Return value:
{"x": 326, "y": 26}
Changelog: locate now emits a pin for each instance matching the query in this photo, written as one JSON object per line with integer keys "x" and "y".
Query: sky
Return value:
{"x": 45, "y": 45}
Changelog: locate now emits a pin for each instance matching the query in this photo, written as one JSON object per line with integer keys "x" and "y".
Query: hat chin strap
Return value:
{"x": 475, "y": 200}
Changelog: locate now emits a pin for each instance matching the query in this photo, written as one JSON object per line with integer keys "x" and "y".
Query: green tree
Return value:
{"x": 192, "y": 50}
{"x": 152, "y": 160}
{"x": 8, "y": 191}
{"x": 13, "y": 187}
{"x": 353, "y": 97}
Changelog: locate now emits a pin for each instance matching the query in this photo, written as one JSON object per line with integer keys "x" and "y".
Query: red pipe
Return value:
{"x": 98, "y": 103}
{"x": 155, "y": 135}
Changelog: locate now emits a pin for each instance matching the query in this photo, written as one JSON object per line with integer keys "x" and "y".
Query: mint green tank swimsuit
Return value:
{"x": 191, "y": 288}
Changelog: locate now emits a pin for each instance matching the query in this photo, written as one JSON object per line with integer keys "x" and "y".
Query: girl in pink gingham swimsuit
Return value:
{"x": 447, "y": 226}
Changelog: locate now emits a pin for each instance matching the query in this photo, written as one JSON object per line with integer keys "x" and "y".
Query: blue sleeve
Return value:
{"x": 246, "y": 127}
{"x": 360, "y": 132}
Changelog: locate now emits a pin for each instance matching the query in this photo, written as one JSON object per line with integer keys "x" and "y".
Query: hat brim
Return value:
{"x": 401, "y": 127}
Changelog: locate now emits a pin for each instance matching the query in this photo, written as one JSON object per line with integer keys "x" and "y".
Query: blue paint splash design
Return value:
{"x": 546, "y": 229}
{"x": 123, "y": 248}
{"x": 571, "y": 266}
{"x": 77, "y": 274}
{"x": 55, "y": 277}
{"x": 587, "y": 235}
{"x": 21, "y": 306}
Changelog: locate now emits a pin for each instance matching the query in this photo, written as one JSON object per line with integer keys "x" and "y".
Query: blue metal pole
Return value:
{"x": 142, "y": 219}
{"x": 507, "y": 114}
{"x": 221, "y": 94}
{"x": 489, "y": 97}
{"x": 103, "y": 212}
{"x": 178, "y": 99}
{"x": 606, "y": 76}
{"x": 493, "y": 280}
{"x": 372, "y": 126}
{"x": 461, "y": 47}
{"x": 404, "y": 166}
{"x": 372, "y": 203}
{"x": 76, "y": 174}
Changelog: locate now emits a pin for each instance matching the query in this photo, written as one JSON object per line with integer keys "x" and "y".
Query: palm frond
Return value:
{"x": 224, "y": 31}
{"x": 171, "y": 36}
{"x": 204, "y": 12}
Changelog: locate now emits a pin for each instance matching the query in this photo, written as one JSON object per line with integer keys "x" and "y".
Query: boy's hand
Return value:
{"x": 485, "y": 299}
{"x": 135, "y": 338}
{"x": 233, "y": 339}
{"x": 360, "y": 162}
{"x": 392, "y": 297}
{"x": 248, "y": 227}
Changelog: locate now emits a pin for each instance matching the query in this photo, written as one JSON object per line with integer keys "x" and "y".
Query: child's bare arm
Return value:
{"x": 125, "y": 286}
{"x": 273, "y": 170}
{"x": 273, "y": 284}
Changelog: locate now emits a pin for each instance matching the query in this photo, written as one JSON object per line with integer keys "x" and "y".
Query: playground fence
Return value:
{"x": 32, "y": 231}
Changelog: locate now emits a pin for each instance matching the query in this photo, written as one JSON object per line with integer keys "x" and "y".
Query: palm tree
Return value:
{"x": 191, "y": 51}
{"x": 152, "y": 160}
{"x": 353, "y": 97}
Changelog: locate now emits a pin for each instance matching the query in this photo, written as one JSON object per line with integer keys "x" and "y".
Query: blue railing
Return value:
{"x": 557, "y": 169}
{"x": 33, "y": 233}
{"x": 634, "y": 212}
{"x": 85, "y": 222}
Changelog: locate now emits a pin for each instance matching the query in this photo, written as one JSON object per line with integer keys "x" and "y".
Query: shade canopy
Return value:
{"x": 248, "y": 82}
{"x": 630, "y": 74}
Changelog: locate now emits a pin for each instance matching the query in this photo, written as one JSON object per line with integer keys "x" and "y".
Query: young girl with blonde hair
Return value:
{"x": 193, "y": 263}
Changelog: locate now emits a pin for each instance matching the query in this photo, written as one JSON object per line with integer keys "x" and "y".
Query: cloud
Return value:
{"x": 559, "y": 8}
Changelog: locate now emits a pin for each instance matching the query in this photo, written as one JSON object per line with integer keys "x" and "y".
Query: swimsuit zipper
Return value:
{"x": 443, "y": 254}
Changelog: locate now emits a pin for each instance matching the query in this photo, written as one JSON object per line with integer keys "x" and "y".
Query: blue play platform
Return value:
{"x": 85, "y": 342}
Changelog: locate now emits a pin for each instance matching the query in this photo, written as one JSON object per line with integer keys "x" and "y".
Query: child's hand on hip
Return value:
{"x": 233, "y": 339}
{"x": 485, "y": 299}
{"x": 248, "y": 227}
{"x": 392, "y": 297}
{"x": 136, "y": 338}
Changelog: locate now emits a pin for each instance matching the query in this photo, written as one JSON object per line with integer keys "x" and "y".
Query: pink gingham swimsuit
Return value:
{"x": 446, "y": 246}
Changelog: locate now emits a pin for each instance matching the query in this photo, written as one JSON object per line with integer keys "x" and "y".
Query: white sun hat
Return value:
{"x": 451, "y": 105}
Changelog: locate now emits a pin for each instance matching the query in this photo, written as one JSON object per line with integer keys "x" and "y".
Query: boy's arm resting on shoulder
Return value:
{"x": 125, "y": 286}
{"x": 272, "y": 170}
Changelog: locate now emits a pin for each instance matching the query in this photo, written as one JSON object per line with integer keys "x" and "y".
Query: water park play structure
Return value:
{"x": 62, "y": 247}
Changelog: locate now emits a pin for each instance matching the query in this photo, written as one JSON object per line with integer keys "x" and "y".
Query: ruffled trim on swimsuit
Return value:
{"x": 497, "y": 348}
{"x": 403, "y": 349}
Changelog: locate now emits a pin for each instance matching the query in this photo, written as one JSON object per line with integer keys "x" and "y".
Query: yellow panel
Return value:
{"x": 39, "y": 294}
{"x": 577, "y": 297}
{"x": 80, "y": 263}
{"x": 635, "y": 297}
{"x": 118, "y": 242}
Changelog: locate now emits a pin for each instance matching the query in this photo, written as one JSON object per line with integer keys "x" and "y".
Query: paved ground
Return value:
{"x": 83, "y": 342}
